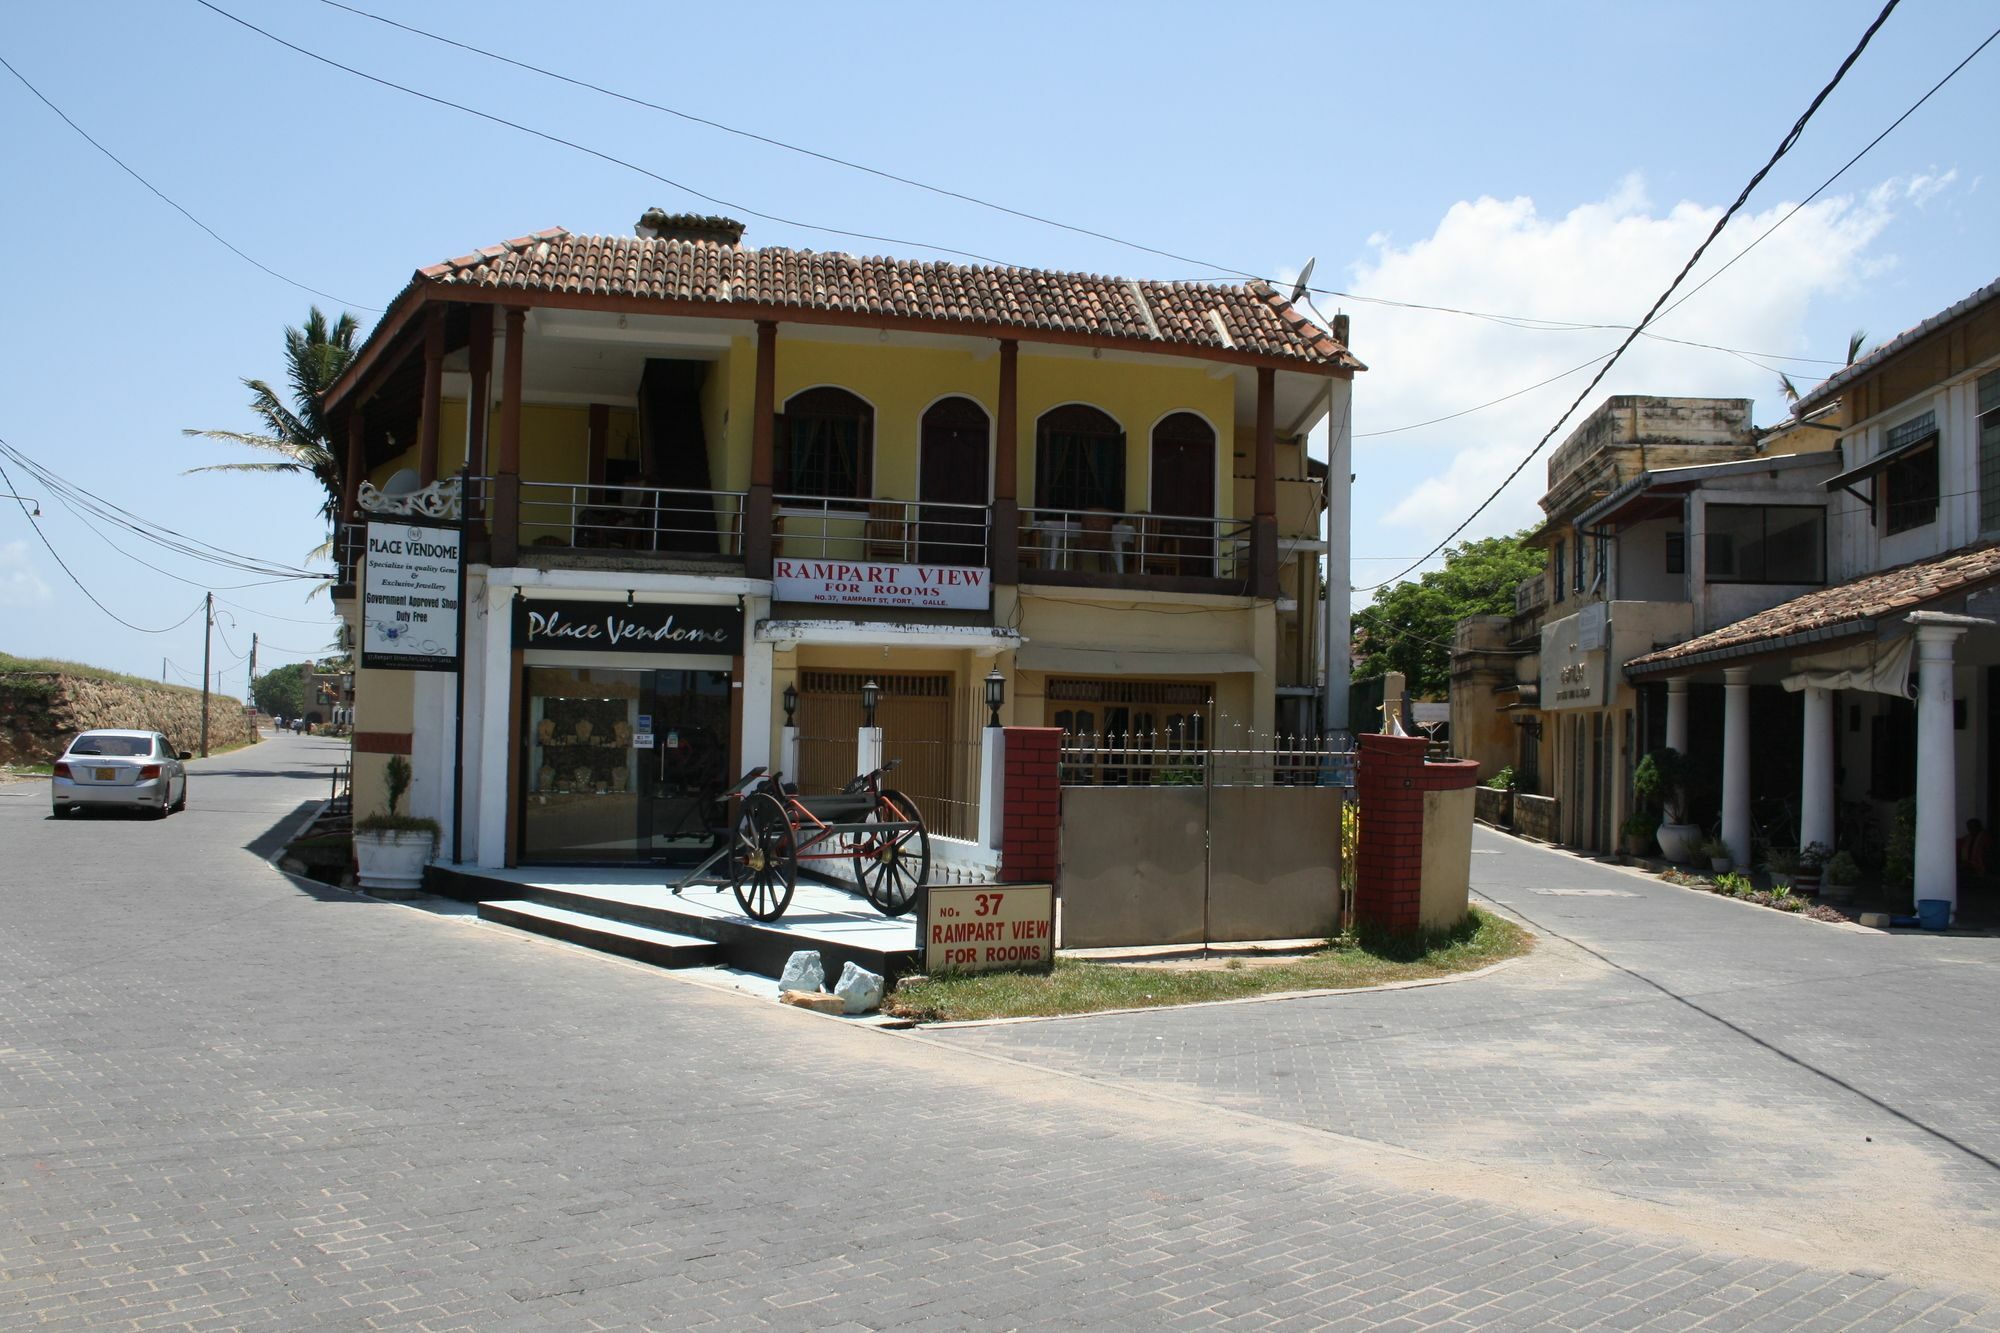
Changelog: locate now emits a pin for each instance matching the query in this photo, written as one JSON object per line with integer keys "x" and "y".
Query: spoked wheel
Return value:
{"x": 893, "y": 864}
{"x": 763, "y": 860}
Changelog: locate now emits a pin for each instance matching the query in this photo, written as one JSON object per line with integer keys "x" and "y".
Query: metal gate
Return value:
{"x": 1192, "y": 847}
{"x": 917, "y": 715}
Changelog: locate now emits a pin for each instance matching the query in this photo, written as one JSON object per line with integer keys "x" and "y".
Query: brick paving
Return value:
{"x": 228, "y": 1101}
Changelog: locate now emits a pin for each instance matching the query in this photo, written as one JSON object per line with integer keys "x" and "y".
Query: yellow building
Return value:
{"x": 825, "y": 470}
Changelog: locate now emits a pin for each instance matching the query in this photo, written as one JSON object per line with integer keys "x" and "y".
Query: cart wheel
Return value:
{"x": 891, "y": 866}
{"x": 763, "y": 862}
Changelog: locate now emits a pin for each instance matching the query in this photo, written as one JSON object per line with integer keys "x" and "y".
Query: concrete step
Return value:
{"x": 663, "y": 948}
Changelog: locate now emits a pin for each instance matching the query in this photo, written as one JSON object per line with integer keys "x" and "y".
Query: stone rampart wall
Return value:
{"x": 40, "y": 711}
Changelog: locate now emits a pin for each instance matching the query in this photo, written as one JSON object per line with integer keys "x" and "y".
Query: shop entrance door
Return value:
{"x": 622, "y": 766}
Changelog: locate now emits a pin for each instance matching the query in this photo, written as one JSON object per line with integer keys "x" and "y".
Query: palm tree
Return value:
{"x": 1855, "y": 342}
{"x": 314, "y": 358}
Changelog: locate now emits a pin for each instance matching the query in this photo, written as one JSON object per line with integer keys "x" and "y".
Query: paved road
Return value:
{"x": 228, "y": 1100}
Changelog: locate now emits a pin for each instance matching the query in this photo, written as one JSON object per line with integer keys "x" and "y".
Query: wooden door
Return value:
{"x": 953, "y": 469}
{"x": 1183, "y": 487}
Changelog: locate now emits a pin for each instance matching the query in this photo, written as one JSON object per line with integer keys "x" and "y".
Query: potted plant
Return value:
{"x": 1841, "y": 875}
{"x": 1639, "y": 828}
{"x": 1716, "y": 852}
{"x": 1812, "y": 863}
{"x": 1782, "y": 864}
{"x": 1661, "y": 781}
{"x": 390, "y": 849}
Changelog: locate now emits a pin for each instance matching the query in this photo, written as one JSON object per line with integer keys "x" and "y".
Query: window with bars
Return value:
{"x": 1909, "y": 486}
{"x": 1989, "y": 451}
{"x": 1556, "y": 568}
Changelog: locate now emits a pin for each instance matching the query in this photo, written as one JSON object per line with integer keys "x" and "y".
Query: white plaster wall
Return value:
{"x": 1640, "y": 561}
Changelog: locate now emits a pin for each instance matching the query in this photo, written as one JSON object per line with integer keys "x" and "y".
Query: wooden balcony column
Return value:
{"x": 507, "y": 470}
{"x": 357, "y": 462}
{"x": 433, "y": 400}
{"x": 757, "y": 506}
{"x": 479, "y": 399}
{"x": 1264, "y": 519}
{"x": 1006, "y": 516}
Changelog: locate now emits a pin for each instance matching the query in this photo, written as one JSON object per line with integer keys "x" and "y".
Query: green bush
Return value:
{"x": 1899, "y": 856}
{"x": 1736, "y": 886}
{"x": 1503, "y": 780}
{"x": 1661, "y": 781}
{"x": 1843, "y": 869}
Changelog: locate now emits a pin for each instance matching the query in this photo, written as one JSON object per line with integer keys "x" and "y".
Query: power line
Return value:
{"x": 170, "y": 202}
{"x": 1835, "y": 176}
{"x": 1453, "y": 416}
{"x": 593, "y": 152}
{"x": 1536, "y": 323}
{"x": 1784, "y": 146}
{"x": 57, "y": 556}
{"x": 271, "y": 615}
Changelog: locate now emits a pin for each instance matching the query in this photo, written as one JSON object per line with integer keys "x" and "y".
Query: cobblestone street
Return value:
{"x": 230, "y": 1101}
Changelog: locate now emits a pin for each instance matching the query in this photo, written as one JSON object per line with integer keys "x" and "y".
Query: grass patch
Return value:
{"x": 26, "y": 770}
{"x": 1077, "y": 987}
{"x": 9, "y": 662}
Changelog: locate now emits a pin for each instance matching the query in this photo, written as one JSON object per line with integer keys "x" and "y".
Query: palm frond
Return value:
{"x": 246, "y": 467}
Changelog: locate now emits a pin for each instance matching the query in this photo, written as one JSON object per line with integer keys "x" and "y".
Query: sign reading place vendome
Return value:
{"x": 613, "y": 627}
{"x": 409, "y": 597}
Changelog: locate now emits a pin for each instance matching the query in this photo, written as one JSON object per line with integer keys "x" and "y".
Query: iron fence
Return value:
{"x": 1179, "y": 759}
{"x": 818, "y": 527}
{"x": 1099, "y": 541}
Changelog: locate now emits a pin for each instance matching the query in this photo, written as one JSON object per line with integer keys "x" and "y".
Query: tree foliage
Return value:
{"x": 1409, "y": 626}
{"x": 297, "y": 432}
{"x": 281, "y": 692}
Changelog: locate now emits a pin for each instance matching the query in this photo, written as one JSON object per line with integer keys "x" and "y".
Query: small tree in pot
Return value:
{"x": 390, "y": 849}
{"x": 1661, "y": 781}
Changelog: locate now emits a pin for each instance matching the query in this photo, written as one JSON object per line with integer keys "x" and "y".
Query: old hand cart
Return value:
{"x": 875, "y": 829}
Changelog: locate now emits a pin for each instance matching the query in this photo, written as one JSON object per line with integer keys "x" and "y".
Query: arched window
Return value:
{"x": 1079, "y": 460}
{"x": 826, "y": 446}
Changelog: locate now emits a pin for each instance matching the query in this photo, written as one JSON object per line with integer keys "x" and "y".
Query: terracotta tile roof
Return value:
{"x": 1831, "y": 386}
{"x": 1854, "y": 604}
{"x": 1251, "y": 318}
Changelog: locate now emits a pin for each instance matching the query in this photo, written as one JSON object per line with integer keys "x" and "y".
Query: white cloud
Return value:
{"x": 1925, "y": 187}
{"x": 20, "y": 585}
{"x": 1602, "y": 262}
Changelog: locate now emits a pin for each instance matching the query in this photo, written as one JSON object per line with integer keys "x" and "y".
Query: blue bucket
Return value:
{"x": 1933, "y": 913}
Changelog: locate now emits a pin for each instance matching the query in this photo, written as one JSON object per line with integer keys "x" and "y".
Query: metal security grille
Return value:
{"x": 920, "y": 727}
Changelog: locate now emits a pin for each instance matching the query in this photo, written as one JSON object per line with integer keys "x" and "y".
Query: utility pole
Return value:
{"x": 250, "y": 681}
{"x": 207, "y": 629}
{"x": 163, "y": 671}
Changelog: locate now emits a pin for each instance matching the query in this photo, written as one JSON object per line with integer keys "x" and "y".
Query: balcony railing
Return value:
{"x": 661, "y": 520}
{"x": 1096, "y": 541}
{"x": 815, "y": 527}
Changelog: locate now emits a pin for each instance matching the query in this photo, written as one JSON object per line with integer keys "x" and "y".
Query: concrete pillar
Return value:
{"x": 992, "y": 784}
{"x": 1736, "y": 763}
{"x": 1339, "y": 562}
{"x": 1937, "y": 768}
{"x": 1816, "y": 793}
{"x": 788, "y": 753}
{"x": 759, "y": 668}
{"x": 496, "y": 741}
{"x": 867, "y": 749}
{"x": 1677, "y": 713}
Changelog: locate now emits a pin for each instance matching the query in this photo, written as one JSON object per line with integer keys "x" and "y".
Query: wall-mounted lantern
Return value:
{"x": 871, "y": 694}
{"x": 996, "y": 695}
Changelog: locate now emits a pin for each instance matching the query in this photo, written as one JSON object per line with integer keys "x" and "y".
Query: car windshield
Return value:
{"x": 125, "y": 746}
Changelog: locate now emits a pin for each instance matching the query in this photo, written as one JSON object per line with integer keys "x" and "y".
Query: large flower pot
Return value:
{"x": 392, "y": 860}
{"x": 1678, "y": 841}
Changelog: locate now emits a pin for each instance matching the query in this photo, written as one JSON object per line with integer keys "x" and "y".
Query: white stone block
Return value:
{"x": 860, "y": 988}
{"x": 803, "y": 971}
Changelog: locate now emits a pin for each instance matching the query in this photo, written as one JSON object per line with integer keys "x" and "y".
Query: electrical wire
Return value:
{"x": 1515, "y": 321}
{"x": 33, "y": 523}
{"x": 1495, "y": 402}
{"x": 1835, "y": 176}
{"x": 271, "y": 615}
{"x": 219, "y": 238}
{"x": 593, "y": 152}
{"x": 1784, "y": 146}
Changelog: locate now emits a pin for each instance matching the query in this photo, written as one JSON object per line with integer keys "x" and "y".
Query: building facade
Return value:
{"x": 711, "y": 491}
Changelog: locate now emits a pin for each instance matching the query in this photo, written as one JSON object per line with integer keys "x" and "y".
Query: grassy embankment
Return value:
{"x": 1078, "y": 987}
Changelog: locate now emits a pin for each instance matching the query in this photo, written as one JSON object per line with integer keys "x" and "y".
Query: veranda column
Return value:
{"x": 1264, "y": 491}
{"x": 1006, "y": 541}
{"x": 757, "y": 505}
{"x": 1816, "y": 769}
{"x": 1736, "y": 763}
{"x": 507, "y": 466}
{"x": 1937, "y": 765}
{"x": 1677, "y": 713}
{"x": 433, "y": 399}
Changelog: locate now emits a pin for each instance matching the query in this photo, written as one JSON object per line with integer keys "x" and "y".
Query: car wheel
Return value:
{"x": 59, "y": 811}
{"x": 182, "y": 803}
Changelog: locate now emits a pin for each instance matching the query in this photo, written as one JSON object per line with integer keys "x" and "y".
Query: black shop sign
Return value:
{"x": 612, "y": 627}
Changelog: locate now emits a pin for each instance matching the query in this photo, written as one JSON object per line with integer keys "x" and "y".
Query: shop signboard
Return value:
{"x": 613, "y": 627}
{"x": 989, "y": 927}
{"x": 867, "y": 583}
{"x": 410, "y": 589}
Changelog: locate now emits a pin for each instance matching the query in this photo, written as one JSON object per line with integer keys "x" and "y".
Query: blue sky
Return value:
{"x": 1556, "y": 161}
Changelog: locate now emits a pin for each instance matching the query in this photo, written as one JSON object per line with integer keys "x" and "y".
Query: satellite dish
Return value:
{"x": 404, "y": 482}
{"x": 1305, "y": 276}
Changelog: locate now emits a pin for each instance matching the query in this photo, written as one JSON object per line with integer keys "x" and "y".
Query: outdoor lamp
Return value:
{"x": 996, "y": 694}
{"x": 791, "y": 703}
{"x": 871, "y": 694}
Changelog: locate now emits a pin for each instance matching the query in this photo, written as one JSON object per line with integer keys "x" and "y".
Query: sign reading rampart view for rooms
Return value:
{"x": 860, "y": 583}
{"x": 409, "y": 597}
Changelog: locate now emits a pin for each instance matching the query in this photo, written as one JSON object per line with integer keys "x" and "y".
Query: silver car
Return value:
{"x": 130, "y": 770}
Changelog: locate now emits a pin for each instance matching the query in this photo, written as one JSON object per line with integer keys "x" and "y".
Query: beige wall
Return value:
{"x": 1444, "y": 892}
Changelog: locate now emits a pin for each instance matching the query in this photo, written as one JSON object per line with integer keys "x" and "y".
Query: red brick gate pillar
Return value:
{"x": 1391, "y": 880}
{"x": 1031, "y": 805}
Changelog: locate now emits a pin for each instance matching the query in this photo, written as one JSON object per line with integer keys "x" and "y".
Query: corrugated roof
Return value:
{"x": 1830, "y": 387}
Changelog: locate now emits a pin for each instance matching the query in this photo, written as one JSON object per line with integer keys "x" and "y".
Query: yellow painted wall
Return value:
{"x": 383, "y": 701}
{"x": 1137, "y": 397}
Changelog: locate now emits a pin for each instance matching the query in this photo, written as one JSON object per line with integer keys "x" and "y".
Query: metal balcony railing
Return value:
{"x": 664, "y": 520}
{"x": 1099, "y": 541}
{"x": 817, "y": 527}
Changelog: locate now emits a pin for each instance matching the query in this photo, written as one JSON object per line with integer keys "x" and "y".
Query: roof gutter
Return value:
{"x": 1846, "y": 629}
